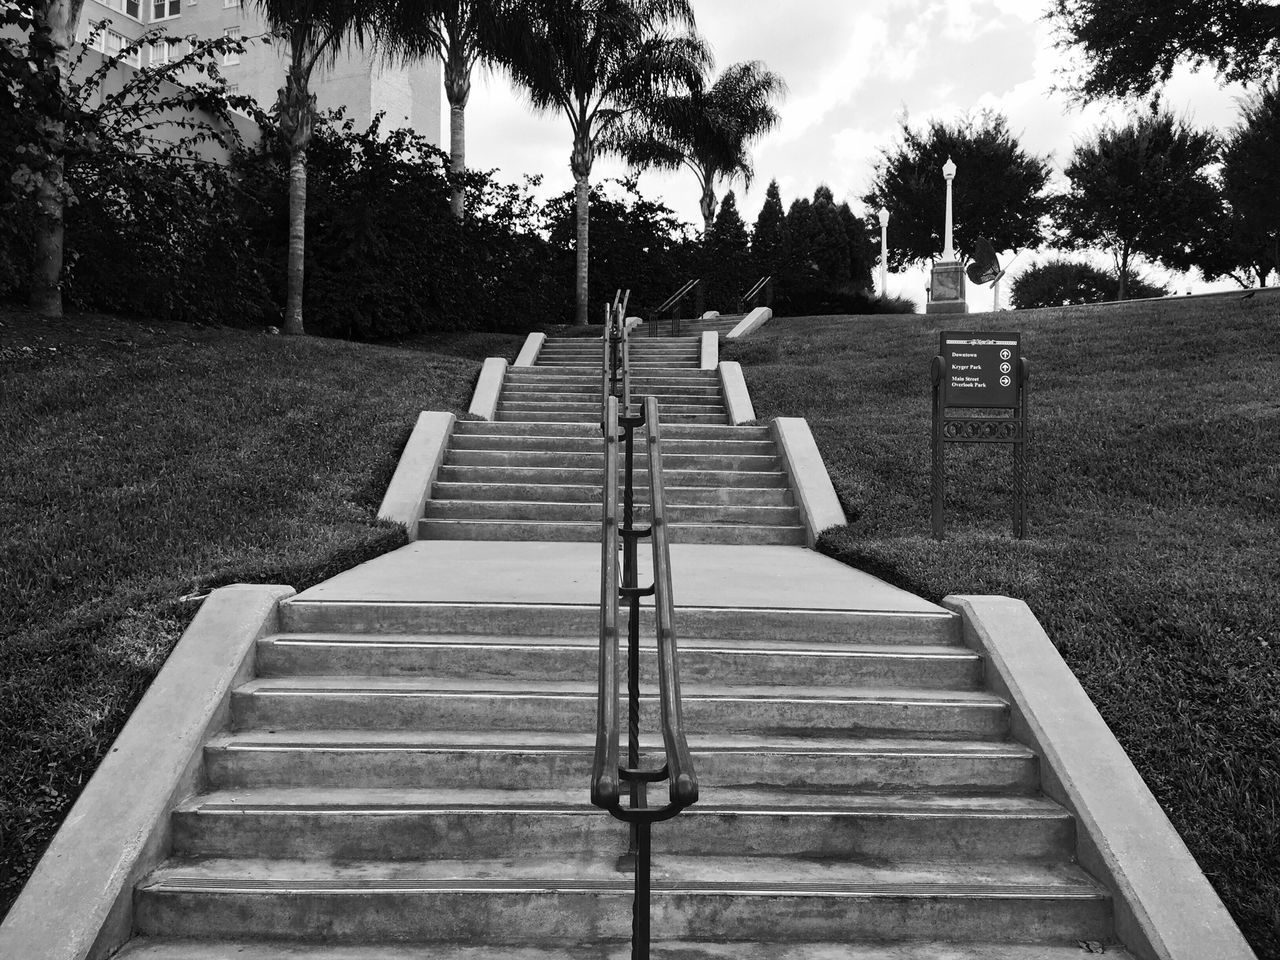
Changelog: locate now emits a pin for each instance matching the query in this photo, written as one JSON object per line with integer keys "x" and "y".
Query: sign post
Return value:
{"x": 980, "y": 371}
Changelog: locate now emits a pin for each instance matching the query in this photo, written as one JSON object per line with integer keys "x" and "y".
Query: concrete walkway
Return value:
{"x": 703, "y": 575}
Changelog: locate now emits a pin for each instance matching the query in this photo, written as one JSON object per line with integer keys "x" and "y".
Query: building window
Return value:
{"x": 165, "y": 9}
{"x": 111, "y": 43}
{"x": 130, "y": 8}
{"x": 231, "y": 57}
{"x": 164, "y": 51}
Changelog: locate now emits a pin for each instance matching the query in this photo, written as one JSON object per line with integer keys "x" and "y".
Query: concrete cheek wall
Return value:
{"x": 737, "y": 399}
{"x": 533, "y": 345}
{"x": 816, "y": 497}
{"x": 118, "y": 830}
{"x": 710, "y": 350}
{"x": 410, "y": 487}
{"x": 1165, "y": 909}
{"x": 484, "y": 403}
{"x": 752, "y": 322}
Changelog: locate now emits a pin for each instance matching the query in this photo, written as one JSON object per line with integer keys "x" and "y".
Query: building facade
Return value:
{"x": 359, "y": 81}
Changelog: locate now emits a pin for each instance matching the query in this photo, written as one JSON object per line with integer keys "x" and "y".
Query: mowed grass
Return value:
{"x": 1152, "y": 559}
{"x": 144, "y": 464}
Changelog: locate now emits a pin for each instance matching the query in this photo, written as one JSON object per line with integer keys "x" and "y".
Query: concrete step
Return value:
{"x": 578, "y": 416}
{"x": 733, "y": 623}
{"x": 593, "y": 493}
{"x": 595, "y": 475}
{"x": 665, "y": 395}
{"x": 743, "y": 662}
{"x": 670, "y": 431}
{"x": 402, "y": 703}
{"x": 672, "y": 460}
{"x": 548, "y": 760}
{"x": 705, "y": 405}
{"x": 588, "y": 372}
{"x": 569, "y": 531}
{"x": 592, "y": 389}
{"x": 148, "y": 948}
{"x": 363, "y": 823}
{"x": 551, "y": 901}
{"x": 670, "y": 445}
{"x": 550, "y": 511}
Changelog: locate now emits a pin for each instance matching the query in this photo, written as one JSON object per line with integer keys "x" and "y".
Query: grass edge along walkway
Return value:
{"x": 146, "y": 464}
{"x": 1153, "y": 553}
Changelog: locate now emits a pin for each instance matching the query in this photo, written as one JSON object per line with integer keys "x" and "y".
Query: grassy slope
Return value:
{"x": 1153, "y": 559}
{"x": 142, "y": 464}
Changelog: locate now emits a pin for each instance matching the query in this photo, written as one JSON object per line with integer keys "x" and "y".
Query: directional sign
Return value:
{"x": 981, "y": 369}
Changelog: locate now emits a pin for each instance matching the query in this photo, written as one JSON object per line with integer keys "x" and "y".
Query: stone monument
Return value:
{"x": 946, "y": 285}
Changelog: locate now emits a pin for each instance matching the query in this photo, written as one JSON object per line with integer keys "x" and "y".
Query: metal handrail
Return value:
{"x": 765, "y": 285}
{"x": 607, "y": 775}
{"x": 672, "y": 303}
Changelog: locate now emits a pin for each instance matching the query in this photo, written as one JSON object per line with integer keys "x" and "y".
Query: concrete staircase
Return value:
{"x": 688, "y": 328}
{"x": 409, "y": 780}
{"x": 536, "y": 471}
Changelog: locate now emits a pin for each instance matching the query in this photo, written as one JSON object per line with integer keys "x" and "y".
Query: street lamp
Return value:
{"x": 949, "y": 171}
{"x": 884, "y": 253}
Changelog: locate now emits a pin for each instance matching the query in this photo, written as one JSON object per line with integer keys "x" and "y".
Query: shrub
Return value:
{"x": 1058, "y": 282}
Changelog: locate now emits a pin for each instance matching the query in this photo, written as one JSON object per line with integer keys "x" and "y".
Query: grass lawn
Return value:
{"x": 144, "y": 464}
{"x": 1154, "y": 552}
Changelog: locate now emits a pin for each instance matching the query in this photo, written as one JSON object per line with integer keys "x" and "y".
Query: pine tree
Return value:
{"x": 766, "y": 239}
{"x": 729, "y": 232}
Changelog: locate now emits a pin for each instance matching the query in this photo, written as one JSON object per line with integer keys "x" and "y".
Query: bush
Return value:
{"x": 385, "y": 255}
{"x": 1056, "y": 283}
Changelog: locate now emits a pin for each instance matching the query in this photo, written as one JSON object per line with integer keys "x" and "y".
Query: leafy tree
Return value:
{"x": 1059, "y": 281}
{"x": 460, "y": 33}
{"x": 637, "y": 243}
{"x": 999, "y": 190}
{"x": 1247, "y": 248}
{"x": 766, "y": 238}
{"x": 1130, "y": 46}
{"x": 597, "y": 62}
{"x": 707, "y": 129}
{"x": 62, "y": 115}
{"x": 1142, "y": 189}
{"x": 729, "y": 232}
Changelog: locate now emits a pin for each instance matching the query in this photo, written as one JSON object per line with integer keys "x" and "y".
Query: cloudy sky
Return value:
{"x": 853, "y": 69}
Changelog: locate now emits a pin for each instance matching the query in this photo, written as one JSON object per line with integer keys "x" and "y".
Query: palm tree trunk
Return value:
{"x": 708, "y": 205}
{"x": 458, "y": 154}
{"x": 50, "y": 232}
{"x": 582, "y": 189}
{"x": 297, "y": 240}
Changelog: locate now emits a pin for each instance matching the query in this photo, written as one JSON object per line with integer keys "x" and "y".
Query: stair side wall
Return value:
{"x": 1165, "y": 908}
{"x": 78, "y": 905}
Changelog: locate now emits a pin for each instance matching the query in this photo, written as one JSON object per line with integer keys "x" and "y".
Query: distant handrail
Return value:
{"x": 672, "y": 304}
{"x": 763, "y": 285}
{"x": 607, "y": 773}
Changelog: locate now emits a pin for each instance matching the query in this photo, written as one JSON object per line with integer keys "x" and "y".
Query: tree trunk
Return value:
{"x": 457, "y": 88}
{"x": 708, "y": 205}
{"x": 582, "y": 189}
{"x": 60, "y": 18}
{"x": 1124, "y": 272}
{"x": 50, "y": 231}
{"x": 297, "y": 240}
{"x": 458, "y": 155}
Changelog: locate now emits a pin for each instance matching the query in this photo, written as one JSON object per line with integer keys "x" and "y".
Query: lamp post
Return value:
{"x": 884, "y": 253}
{"x": 949, "y": 171}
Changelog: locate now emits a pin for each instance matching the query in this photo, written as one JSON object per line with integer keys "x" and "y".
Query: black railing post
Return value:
{"x": 640, "y": 904}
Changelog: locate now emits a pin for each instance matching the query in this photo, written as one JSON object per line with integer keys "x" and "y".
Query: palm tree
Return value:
{"x": 460, "y": 33}
{"x": 708, "y": 130}
{"x": 597, "y": 62}
{"x": 314, "y": 31}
